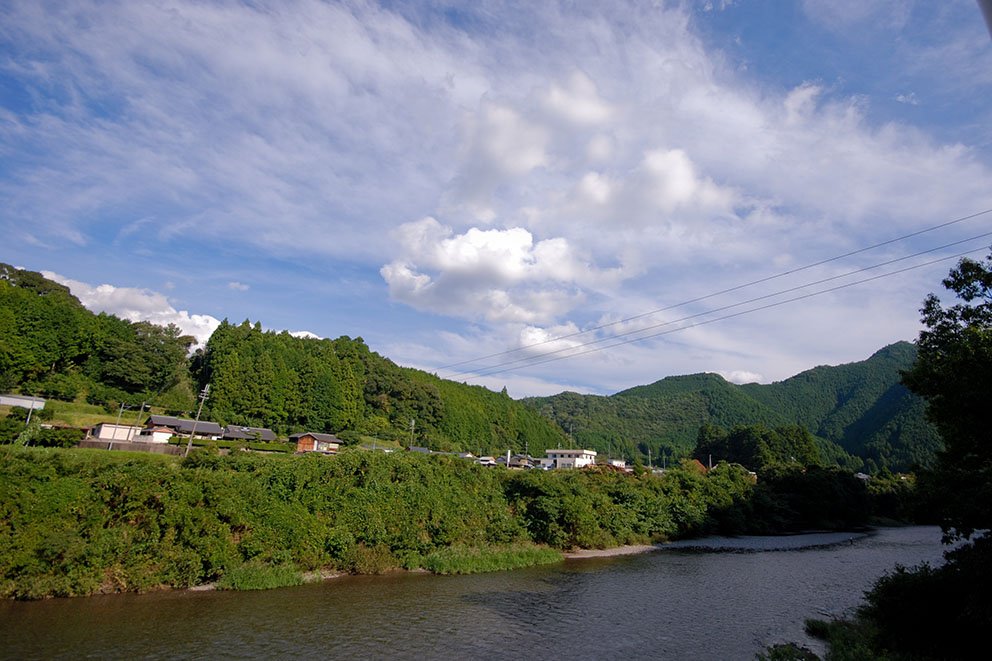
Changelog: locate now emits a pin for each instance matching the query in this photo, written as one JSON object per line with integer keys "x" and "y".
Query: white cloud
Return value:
{"x": 741, "y": 376}
{"x": 138, "y": 305}
{"x": 909, "y": 99}
{"x": 238, "y": 286}
{"x": 569, "y": 165}
{"x": 497, "y": 275}
{"x": 578, "y": 101}
{"x": 305, "y": 335}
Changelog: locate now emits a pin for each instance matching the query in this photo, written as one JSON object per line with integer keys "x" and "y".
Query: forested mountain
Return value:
{"x": 859, "y": 409}
{"x": 52, "y": 346}
{"x": 289, "y": 383}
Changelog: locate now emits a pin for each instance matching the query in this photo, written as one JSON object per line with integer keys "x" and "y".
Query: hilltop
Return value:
{"x": 50, "y": 345}
{"x": 858, "y": 411}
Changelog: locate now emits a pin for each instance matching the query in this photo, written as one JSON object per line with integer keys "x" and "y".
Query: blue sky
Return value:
{"x": 454, "y": 180}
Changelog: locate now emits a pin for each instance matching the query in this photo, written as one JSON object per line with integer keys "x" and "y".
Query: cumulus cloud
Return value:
{"x": 305, "y": 335}
{"x": 138, "y": 305}
{"x": 496, "y": 275}
{"x": 741, "y": 376}
{"x": 567, "y": 166}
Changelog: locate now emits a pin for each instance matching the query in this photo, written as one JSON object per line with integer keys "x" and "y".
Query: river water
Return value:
{"x": 677, "y": 603}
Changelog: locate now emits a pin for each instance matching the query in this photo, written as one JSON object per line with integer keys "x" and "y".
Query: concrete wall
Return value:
{"x": 157, "y": 448}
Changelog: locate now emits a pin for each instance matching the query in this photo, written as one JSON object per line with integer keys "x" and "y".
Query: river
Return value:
{"x": 676, "y": 603}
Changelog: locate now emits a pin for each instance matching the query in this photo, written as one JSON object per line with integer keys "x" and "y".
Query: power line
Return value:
{"x": 482, "y": 373}
{"x": 732, "y": 305}
{"x": 714, "y": 294}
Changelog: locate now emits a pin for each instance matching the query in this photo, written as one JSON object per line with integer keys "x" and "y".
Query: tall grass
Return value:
{"x": 473, "y": 560}
{"x": 257, "y": 576}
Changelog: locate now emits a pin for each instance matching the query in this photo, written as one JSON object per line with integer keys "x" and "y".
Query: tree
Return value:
{"x": 953, "y": 374}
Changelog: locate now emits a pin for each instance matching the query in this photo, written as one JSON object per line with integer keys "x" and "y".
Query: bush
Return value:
{"x": 470, "y": 560}
{"x": 59, "y": 438}
{"x": 256, "y": 576}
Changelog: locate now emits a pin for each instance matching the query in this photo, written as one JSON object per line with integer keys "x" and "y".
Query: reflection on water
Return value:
{"x": 672, "y": 604}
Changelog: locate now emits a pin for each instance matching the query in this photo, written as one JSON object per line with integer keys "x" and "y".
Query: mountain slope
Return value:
{"x": 859, "y": 408}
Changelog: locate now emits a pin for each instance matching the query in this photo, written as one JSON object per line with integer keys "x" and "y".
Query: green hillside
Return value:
{"x": 50, "y": 345}
{"x": 859, "y": 409}
{"x": 289, "y": 383}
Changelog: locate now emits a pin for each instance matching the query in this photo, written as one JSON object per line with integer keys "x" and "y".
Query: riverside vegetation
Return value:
{"x": 78, "y": 522}
{"x": 939, "y": 612}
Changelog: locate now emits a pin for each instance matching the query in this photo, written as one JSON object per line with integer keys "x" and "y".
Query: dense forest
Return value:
{"x": 859, "y": 414}
{"x": 142, "y": 521}
{"x": 289, "y": 383}
{"x": 50, "y": 345}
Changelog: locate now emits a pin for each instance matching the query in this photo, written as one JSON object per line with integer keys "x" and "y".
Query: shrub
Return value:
{"x": 470, "y": 560}
{"x": 257, "y": 576}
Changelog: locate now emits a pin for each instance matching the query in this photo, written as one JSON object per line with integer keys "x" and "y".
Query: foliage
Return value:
{"x": 853, "y": 411}
{"x": 50, "y": 345}
{"x": 789, "y": 497}
{"x": 474, "y": 560}
{"x": 340, "y": 386}
{"x": 257, "y": 576}
{"x": 787, "y": 652}
{"x": 756, "y": 446}
{"x": 59, "y": 438}
{"x": 952, "y": 373}
{"x": 75, "y": 522}
{"x": 938, "y": 613}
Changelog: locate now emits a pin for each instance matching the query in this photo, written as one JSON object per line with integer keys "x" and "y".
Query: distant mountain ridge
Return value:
{"x": 858, "y": 409}
{"x": 51, "y": 345}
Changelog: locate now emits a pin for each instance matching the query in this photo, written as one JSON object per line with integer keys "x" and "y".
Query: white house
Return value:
{"x": 562, "y": 458}
{"x": 107, "y": 431}
{"x": 154, "y": 435}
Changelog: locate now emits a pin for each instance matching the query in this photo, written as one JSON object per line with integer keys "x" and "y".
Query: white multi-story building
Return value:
{"x": 560, "y": 458}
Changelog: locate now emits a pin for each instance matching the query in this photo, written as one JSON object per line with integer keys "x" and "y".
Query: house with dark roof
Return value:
{"x": 183, "y": 427}
{"x": 313, "y": 442}
{"x": 239, "y": 433}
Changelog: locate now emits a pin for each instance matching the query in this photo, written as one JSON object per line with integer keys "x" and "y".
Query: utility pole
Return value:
{"x": 28, "y": 421}
{"x": 117, "y": 424}
{"x": 649, "y": 458}
{"x": 203, "y": 396}
{"x": 137, "y": 421}
{"x": 412, "y": 425}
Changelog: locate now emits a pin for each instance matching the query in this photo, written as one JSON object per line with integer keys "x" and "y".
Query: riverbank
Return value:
{"x": 145, "y": 523}
{"x": 651, "y": 604}
{"x": 747, "y": 543}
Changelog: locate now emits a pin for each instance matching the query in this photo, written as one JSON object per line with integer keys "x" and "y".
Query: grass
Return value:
{"x": 93, "y": 456}
{"x": 255, "y": 576}
{"x": 471, "y": 560}
{"x": 82, "y": 414}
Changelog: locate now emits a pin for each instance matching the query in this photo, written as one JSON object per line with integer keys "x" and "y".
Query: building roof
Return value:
{"x": 575, "y": 452}
{"x": 236, "y": 432}
{"x": 184, "y": 426}
{"x": 327, "y": 438}
{"x": 414, "y": 448}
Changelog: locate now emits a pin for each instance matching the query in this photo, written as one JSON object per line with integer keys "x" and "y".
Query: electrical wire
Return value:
{"x": 714, "y": 294}
{"x": 489, "y": 371}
